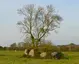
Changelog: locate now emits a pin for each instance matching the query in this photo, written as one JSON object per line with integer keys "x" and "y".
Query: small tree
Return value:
{"x": 38, "y": 22}
{"x": 13, "y": 46}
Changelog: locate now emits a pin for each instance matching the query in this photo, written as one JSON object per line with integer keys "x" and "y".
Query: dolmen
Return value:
{"x": 34, "y": 54}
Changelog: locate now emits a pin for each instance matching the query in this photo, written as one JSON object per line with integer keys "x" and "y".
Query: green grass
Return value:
{"x": 11, "y": 57}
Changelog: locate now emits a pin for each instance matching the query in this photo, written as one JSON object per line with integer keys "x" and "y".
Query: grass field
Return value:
{"x": 11, "y": 57}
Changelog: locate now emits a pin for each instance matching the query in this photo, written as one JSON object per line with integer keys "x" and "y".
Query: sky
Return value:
{"x": 67, "y": 9}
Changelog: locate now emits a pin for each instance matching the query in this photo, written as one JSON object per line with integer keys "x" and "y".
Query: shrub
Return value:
{"x": 60, "y": 55}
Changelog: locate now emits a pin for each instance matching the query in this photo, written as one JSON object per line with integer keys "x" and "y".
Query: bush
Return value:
{"x": 60, "y": 55}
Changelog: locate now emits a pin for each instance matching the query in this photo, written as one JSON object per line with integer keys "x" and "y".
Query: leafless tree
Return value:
{"x": 38, "y": 22}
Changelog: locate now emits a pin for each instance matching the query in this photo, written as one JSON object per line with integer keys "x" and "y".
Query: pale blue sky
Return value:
{"x": 68, "y": 9}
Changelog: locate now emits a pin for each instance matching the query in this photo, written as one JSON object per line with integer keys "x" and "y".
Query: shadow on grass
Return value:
{"x": 2, "y": 55}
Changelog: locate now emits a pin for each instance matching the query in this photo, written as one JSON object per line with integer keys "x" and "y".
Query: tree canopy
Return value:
{"x": 38, "y": 22}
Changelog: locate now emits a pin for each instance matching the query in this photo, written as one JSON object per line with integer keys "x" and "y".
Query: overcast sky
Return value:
{"x": 68, "y": 10}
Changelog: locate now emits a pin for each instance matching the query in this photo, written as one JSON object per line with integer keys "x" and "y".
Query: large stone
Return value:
{"x": 43, "y": 54}
{"x": 25, "y": 52}
{"x": 15, "y": 50}
{"x": 54, "y": 53}
{"x": 31, "y": 53}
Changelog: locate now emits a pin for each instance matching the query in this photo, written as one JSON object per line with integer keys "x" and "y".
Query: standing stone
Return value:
{"x": 54, "y": 54}
{"x": 15, "y": 50}
{"x": 43, "y": 54}
{"x": 31, "y": 53}
{"x": 25, "y": 52}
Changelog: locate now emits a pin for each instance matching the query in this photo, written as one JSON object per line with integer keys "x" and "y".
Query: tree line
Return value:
{"x": 44, "y": 45}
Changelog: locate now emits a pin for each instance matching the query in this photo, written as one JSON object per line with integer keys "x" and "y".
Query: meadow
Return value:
{"x": 12, "y": 57}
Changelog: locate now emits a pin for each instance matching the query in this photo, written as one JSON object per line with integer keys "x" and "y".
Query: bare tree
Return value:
{"x": 38, "y": 22}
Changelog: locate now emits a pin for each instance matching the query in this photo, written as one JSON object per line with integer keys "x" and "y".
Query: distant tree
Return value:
{"x": 71, "y": 44}
{"x": 20, "y": 44}
{"x": 38, "y": 22}
{"x": 5, "y": 48}
{"x": 1, "y": 48}
{"x": 13, "y": 46}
